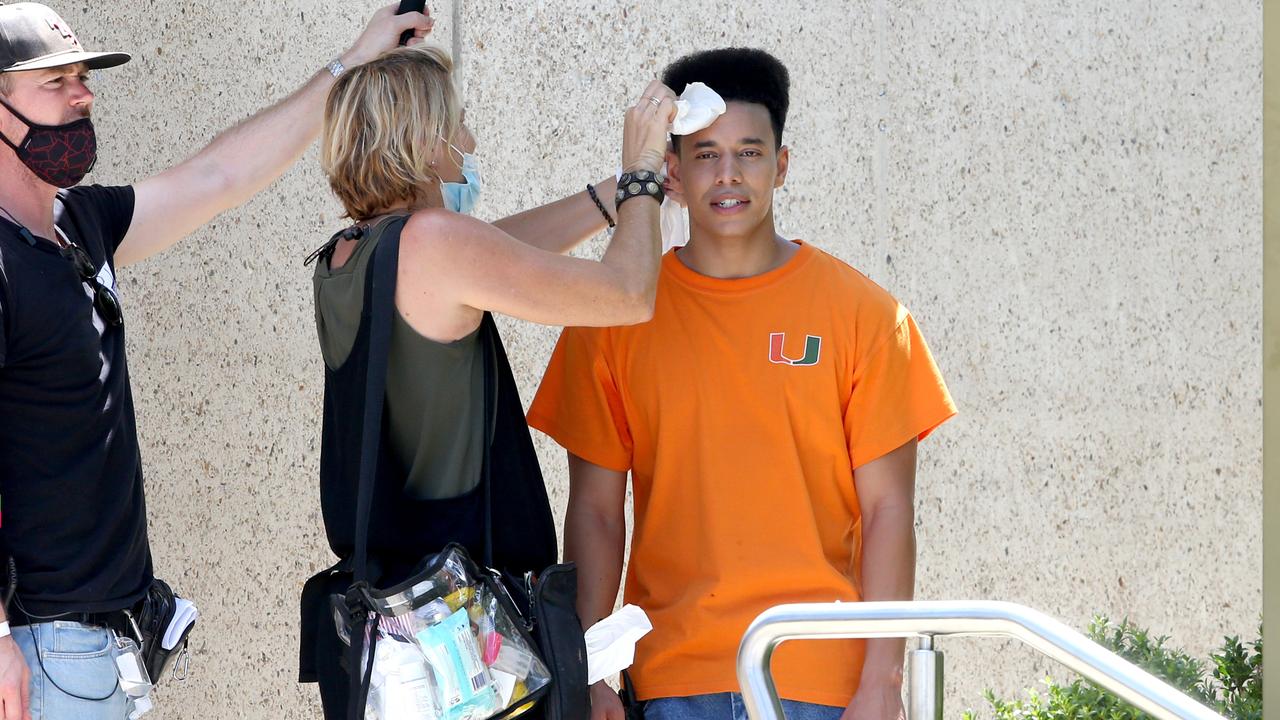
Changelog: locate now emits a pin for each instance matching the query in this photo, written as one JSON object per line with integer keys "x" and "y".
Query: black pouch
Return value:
{"x": 632, "y": 708}
{"x": 157, "y": 612}
{"x": 553, "y": 617}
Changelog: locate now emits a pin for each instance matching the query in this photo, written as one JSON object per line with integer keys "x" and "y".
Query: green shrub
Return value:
{"x": 1231, "y": 685}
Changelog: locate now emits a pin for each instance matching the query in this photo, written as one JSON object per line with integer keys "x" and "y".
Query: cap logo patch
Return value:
{"x": 66, "y": 33}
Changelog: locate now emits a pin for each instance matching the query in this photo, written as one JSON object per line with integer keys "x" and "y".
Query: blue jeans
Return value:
{"x": 74, "y": 676}
{"x": 729, "y": 706}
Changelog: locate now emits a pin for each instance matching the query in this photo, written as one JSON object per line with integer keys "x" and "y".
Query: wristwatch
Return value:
{"x": 335, "y": 67}
{"x": 4, "y": 629}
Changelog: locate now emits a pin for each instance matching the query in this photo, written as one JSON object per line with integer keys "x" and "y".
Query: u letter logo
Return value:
{"x": 812, "y": 350}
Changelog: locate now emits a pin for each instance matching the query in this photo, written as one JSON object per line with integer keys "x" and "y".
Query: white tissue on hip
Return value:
{"x": 697, "y": 108}
{"x": 675, "y": 225}
{"x": 611, "y": 643}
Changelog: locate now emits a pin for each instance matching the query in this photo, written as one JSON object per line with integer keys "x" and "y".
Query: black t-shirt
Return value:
{"x": 71, "y": 507}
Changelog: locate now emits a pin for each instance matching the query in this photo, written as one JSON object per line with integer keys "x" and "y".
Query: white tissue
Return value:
{"x": 675, "y": 225}
{"x": 611, "y": 643}
{"x": 697, "y": 108}
{"x": 673, "y": 222}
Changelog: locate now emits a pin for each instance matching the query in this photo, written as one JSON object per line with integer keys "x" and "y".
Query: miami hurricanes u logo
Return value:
{"x": 812, "y": 350}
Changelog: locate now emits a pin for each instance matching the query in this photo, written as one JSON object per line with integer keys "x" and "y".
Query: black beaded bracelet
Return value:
{"x": 591, "y": 190}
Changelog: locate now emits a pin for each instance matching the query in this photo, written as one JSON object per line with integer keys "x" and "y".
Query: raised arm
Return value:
{"x": 562, "y": 225}
{"x": 595, "y": 530}
{"x": 243, "y": 160}
{"x": 453, "y": 265}
{"x": 458, "y": 261}
{"x": 886, "y": 497}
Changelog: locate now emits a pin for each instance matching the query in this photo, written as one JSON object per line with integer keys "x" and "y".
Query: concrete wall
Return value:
{"x": 1067, "y": 196}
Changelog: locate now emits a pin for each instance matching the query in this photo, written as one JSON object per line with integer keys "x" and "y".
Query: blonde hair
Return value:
{"x": 382, "y": 124}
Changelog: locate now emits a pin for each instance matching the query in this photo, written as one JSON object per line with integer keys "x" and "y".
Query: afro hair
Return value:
{"x": 741, "y": 74}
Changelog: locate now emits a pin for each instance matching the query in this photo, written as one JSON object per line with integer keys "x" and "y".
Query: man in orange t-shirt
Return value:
{"x": 768, "y": 415}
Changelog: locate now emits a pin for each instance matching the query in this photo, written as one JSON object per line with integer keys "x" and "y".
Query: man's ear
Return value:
{"x": 784, "y": 161}
{"x": 674, "y": 187}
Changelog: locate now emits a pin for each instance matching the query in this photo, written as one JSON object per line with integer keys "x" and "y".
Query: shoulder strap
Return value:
{"x": 382, "y": 304}
{"x": 386, "y": 262}
{"x": 489, "y": 340}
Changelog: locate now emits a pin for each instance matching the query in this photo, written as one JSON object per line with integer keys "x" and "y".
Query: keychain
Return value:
{"x": 132, "y": 670}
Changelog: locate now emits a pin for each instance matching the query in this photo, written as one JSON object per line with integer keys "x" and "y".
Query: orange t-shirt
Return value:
{"x": 741, "y": 410}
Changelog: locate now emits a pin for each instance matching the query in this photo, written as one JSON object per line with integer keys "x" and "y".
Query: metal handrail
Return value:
{"x": 937, "y": 618}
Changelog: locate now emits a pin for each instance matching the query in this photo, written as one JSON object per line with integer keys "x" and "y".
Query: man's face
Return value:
{"x": 53, "y": 96}
{"x": 727, "y": 173}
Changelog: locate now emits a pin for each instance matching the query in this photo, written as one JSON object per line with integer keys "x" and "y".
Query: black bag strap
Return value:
{"x": 386, "y": 264}
{"x": 489, "y": 336}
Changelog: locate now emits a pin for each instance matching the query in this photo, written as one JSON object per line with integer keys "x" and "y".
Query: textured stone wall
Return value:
{"x": 1066, "y": 195}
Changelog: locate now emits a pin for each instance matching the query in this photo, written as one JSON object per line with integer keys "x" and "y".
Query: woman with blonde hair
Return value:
{"x": 402, "y": 162}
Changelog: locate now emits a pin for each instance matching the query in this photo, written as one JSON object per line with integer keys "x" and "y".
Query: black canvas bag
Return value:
{"x": 546, "y": 601}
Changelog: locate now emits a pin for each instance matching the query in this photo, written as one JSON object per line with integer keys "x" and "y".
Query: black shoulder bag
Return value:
{"x": 541, "y": 607}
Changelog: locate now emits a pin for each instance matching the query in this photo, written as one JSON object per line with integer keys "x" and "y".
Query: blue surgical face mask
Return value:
{"x": 461, "y": 197}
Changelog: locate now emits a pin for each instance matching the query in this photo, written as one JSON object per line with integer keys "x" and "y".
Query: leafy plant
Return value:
{"x": 1230, "y": 684}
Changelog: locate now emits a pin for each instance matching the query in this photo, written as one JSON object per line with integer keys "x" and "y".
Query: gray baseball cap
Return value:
{"x": 33, "y": 37}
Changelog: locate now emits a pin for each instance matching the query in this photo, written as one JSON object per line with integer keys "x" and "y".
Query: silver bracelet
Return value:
{"x": 335, "y": 67}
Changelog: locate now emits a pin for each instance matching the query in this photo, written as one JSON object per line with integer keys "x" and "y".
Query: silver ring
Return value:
{"x": 655, "y": 100}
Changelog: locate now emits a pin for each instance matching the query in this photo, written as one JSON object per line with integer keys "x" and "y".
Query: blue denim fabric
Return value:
{"x": 729, "y": 706}
{"x": 76, "y": 660}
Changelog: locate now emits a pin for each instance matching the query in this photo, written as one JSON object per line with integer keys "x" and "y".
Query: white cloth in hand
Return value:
{"x": 611, "y": 643}
{"x": 697, "y": 108}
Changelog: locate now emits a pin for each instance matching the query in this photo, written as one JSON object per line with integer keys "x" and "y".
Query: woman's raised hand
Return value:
{"x": 644, "y": 133}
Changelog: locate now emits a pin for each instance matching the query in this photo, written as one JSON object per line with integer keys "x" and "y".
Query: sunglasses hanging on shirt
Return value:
{"x": 104, "y": 298}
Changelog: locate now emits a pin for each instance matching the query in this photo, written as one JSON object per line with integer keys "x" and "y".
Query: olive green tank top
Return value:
{"x": 435, "y": 391}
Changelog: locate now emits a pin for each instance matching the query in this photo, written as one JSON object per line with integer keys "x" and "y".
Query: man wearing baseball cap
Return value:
{"x": 73, "y": 530}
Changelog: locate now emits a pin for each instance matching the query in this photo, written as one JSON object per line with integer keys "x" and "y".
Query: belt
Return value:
{"x": 116, "y": 620}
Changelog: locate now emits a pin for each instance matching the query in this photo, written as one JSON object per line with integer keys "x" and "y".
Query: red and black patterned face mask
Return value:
{"x": 60, "y": 155}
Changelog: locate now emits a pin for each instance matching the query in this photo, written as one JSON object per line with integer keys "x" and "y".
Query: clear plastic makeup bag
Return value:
{"x": 447, "y": 644}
